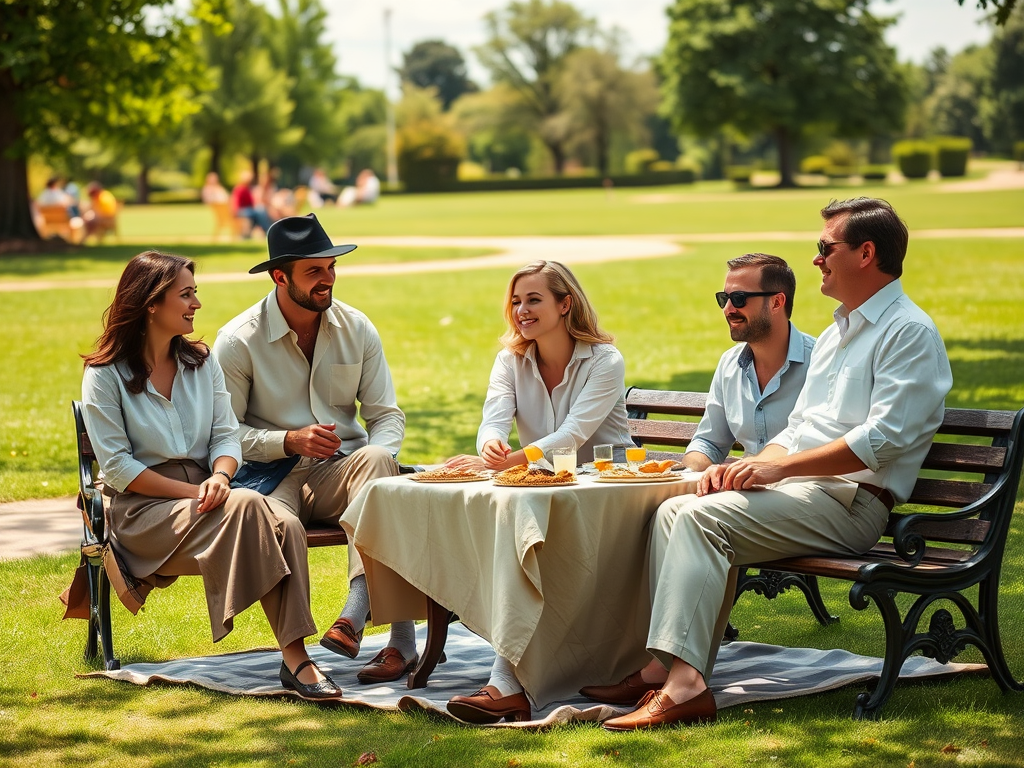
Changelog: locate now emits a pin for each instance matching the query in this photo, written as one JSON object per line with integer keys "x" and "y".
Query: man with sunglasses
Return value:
{"x": 872, "y": 401}
{"x": 757, "y": 381}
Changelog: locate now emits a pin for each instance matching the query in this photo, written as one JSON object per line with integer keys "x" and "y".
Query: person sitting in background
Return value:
{"x": 54, "y": 194}
{"x": 75, "y": 196}
{"x": 213, "y": 191}
{"x": 173, "y": 511}
{"x": 243, "y": 204}
{"x": 562, "y": 382}
{"x": 102, "y": 213}
{"x": 323, "y": 187}
{"x": 366, "y": 190}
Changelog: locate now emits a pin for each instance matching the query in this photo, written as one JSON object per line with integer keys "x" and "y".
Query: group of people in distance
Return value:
{"x": 834, "y": 433}
{"x": 98, "y": 211}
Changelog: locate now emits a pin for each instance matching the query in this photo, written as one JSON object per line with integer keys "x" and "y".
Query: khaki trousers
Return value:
{"x": 696, "y": 543}
{"x": 320, "y": 490}
{"x": 244, "y": 550}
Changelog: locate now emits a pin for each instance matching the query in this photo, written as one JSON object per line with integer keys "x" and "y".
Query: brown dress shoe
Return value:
{"x": 658, "y": 709}
{"x": 387, "y": 666}
{"x": 488, "y": 706}
{"x": 342, "y": 638}
{"x": 629, "y": 691}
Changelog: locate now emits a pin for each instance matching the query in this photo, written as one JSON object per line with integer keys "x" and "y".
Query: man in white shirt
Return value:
{"x": 300, "y": 367}
{"x": 872, "y": 401}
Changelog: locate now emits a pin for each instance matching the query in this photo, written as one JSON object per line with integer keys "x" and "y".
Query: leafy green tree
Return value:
{"x": 69, "y": 70}
{"x": 498, "y": 126}
{"x": 781, "y": 67}
{"x": 429, "y": 147}
{"x": 601, "y": 98}
{"x": 960, "y": 99}
{"x": 1002, "y": 8}
{"x": 526, "y": 47}
{"x": 1005, "y": 119}
{"x": 434, "y": 63}
{"x": 363, "y": 112}
{"x": 295, "y": 39}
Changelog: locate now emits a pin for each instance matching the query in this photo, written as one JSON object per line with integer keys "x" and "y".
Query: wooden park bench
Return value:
{"x": 54, "y": 220}
{"x": 95, "y": 539}
{"x": 948, "y": 539}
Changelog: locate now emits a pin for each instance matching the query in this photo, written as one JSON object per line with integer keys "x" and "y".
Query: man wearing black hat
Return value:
{"x": 296, "y": 364}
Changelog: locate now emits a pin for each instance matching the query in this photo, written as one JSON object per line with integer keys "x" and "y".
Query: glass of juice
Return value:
{"x": 635, "y": 457}
{"x": 603, "y": 457}
{"x": 564, "y": 458}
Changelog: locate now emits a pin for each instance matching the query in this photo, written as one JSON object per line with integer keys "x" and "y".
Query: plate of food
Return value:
{"x": 450, "y": 475}
{"x": 524, "y": 476}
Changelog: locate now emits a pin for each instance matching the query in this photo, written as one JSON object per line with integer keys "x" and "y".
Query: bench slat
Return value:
{"x": 663, "y": 432}
{"x": 669, "y": 403}
{"x": 847, "y": 567}
{"x": 954, "y": 457}
{"x": 947, "y": 493}
{"x": 325, "y": 537}
{"x": 963, "y": 421}
{"x": 971, "y": 531}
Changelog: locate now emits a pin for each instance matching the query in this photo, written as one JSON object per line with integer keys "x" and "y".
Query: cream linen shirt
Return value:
{"x": 133, "y": 432}
{"x": 878, "y": 378}
{"x": 587, "y": 408}
{"x": 274, "y": 389}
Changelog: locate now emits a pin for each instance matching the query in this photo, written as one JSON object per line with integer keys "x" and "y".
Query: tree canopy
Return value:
{"x": 781, "y": 67}
{"x": 435, "y": 64}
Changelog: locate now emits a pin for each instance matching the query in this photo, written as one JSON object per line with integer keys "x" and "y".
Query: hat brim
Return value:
{"x": 277, "y": 261}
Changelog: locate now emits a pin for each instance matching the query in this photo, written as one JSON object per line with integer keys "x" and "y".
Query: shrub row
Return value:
{"x": 650, "y": 179}
{"x": 947, "y": 154}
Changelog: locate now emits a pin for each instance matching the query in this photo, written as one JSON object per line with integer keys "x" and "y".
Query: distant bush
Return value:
{"x": 429, "y": 153}
{"x": 661, "y": 166}
{"x": 951, "y": 154}
{"x": 914, "y": 158}
{"x": 641, "y": 160}
{"x": 502, "y": 183}
{"x": 815, "y": 164}
{"x": 171, "y": 196}
{"x": 840, "y": 171}
{"x": 739, "y": 174}
{"x": 468, "y": 170}
{"x": 1018, "y": 151}
{"x": 875, "y": 172}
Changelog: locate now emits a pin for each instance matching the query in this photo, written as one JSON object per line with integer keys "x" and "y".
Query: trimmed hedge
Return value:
{"x": 914, "y": 158}
{"x": 661, "y": 178}
{"x": 951, "y": 153}
{"x": 875, "y": 172}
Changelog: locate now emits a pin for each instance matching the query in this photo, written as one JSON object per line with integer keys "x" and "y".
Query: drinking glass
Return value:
{"x": 603, "y": 457}
{"x": 564, "y": 458}
{"x": 635, "y": 457}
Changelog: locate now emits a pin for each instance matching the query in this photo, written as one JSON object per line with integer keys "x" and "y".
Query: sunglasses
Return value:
{"x": 824, "y": 249}
{"x": 739, "y": 298}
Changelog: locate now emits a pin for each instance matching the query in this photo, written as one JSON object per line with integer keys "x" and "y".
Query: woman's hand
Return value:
{"x": 213, "y": 492}
{"x": 494, "y": 453}
{"x": 466, "y": 462}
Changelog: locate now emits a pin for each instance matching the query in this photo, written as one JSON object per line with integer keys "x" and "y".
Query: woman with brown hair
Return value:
{"x": 159, "y": 418}
{"x": 563, "y": 383}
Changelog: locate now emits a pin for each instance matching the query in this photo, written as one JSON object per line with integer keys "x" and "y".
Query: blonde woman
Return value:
{"x": 560, "y": 379}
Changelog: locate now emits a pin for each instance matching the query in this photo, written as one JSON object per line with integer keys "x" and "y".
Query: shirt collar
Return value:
{"x": 277, "y": 327}
{"x": 580, "y": 351}
{"x": 795, "y": 353}
{"x": 872, "y": 309}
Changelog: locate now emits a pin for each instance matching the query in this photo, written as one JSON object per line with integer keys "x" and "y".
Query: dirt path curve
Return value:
{"x": 516, "y": 251}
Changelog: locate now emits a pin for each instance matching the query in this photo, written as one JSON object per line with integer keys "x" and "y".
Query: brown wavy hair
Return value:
{"x": 143, "y": 283}
{"x": 581, "y": 321}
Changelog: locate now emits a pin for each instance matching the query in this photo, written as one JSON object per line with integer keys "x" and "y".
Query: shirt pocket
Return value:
{"x": 345, "y": 384}
{"x": 852, "y": 398}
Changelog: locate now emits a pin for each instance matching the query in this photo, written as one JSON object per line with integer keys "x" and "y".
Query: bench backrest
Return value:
{"x": 54, "y": 214}
{"x": 973, "y": 464}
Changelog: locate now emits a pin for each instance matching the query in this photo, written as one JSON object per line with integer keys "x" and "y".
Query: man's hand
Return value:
{"x": 466, "y": 462}
{"x": 741, "y": 475}
{"x": 494, "y": 453}
{"x": 317, "y": 441}
{"x": 213, "y": 492}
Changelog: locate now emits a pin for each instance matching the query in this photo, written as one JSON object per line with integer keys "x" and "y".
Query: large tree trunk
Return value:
{"x": 784, "y": 142}
{"x": 15, "y": 214}
{"x": 557, "y": 155}
{"x": 602, "y": 143}
{"x": 142, "y": 185}
{"x": 215, "y": 152}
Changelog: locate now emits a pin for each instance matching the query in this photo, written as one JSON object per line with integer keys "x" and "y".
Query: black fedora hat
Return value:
{"x": 298, "y": 237}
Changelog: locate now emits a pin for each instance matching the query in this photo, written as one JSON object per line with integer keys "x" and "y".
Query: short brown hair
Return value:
{"x": 872, "y": 219}
{"x": 776, "y": 274}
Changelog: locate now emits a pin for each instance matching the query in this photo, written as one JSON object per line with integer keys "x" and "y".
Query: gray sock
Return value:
{"x": 357, "y": 605}
{"x": 403, "y": 637}
{"x": 503, "y": 677}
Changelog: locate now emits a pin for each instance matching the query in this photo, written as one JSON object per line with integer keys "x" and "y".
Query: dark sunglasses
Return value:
{"x": 824, "y": 249}
{"x": 739, "y": 298}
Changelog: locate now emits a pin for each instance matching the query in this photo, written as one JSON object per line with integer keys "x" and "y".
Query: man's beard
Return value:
{"x": 306, "y": 300}
{"x": 757, "y": 328}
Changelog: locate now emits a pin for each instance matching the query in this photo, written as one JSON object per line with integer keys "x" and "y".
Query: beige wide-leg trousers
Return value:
{"x": 320, "y": 490}
{"x": 697, "y": 541}
{"x": 244, "y": 549}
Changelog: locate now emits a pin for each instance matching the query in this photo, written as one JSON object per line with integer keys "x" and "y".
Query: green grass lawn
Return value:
{"x": 440, "y": 335}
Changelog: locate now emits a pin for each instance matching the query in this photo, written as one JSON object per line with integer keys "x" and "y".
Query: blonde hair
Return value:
{"x": 580, "y": 321}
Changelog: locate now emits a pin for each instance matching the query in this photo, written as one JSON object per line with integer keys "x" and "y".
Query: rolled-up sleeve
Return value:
{"x": 911, "y": 379}
{"x": 104, "y": 420}
{"x": 499, "y": 405}
{"x": 713, "y": 437}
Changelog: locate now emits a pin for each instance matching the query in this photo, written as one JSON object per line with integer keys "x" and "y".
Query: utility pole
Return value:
{"x": 392, "y": 159}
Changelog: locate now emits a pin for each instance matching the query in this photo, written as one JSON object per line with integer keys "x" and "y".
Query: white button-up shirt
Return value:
{"x": 878, "y": 379}
{"x": 737, "y": 411}
{"x": 130, "y": 433}
{"x": 274, "y": 389}
{"x": 587, "y": 408}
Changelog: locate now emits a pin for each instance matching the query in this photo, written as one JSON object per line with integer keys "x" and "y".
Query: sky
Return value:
{"x": 357, "y": 28}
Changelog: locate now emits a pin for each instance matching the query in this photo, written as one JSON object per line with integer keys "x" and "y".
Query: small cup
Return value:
{"x": 635, "y": 456}
{"x": 603, "y": 457}
{"x": 564, "y": 458}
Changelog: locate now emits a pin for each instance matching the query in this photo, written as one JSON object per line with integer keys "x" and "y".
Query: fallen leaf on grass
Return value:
{"x": 366, "y": 758}
{"x": 950, "y": 749}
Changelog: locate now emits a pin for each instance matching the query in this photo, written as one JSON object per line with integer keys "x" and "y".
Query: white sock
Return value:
{"x": 357, "y": 604}
{"x": 503, "y": 677}
{"x": 403, "y": 637}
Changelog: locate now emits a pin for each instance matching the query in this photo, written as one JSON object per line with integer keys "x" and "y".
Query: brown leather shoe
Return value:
{"x": 387, "y": 666}
{"x": 629, "y": 691}
{"x": 488, "y": 706}
{"x": 342, "y": 638}
{"x": 657, "y": 709}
